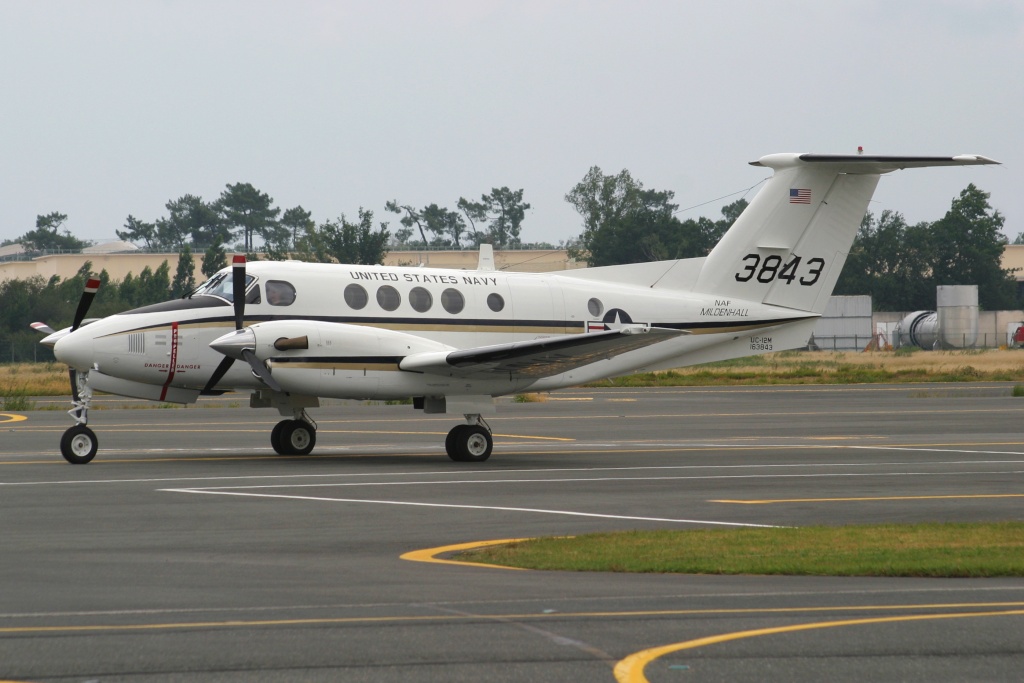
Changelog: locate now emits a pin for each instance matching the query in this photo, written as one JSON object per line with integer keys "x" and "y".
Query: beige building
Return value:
{"x": 119, "y": 265}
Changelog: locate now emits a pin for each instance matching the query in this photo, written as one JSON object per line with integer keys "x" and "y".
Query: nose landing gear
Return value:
{"x": 78, "y": 445}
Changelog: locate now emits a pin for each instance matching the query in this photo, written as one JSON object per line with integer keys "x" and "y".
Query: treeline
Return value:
{"x": 54, "y": 302}
{"x": 898, "y": 264}
{"x": 245, "y": 219}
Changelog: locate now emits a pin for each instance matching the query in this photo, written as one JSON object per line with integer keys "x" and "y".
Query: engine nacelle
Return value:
{"x": 336, "y": 359}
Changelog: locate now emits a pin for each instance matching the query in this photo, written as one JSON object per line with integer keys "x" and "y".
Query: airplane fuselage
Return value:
{"x": 367, "y": 318}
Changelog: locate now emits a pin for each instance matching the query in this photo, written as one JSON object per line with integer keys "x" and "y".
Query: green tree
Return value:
{"x": 214, "y": 259}
{"x": 411, "y": 218}
{"x": 698, "y": 237}
{"x": 189, "y": 218}
{"x": 245, "y": 208}
{"x": 503, "y": 209}
{"x": 447, "y": 226}
{"x": 344, "y": 242}
{"x": 296, "y": 220}
{"x": 136, "y": 230}
{"x": 623, "y": 222}
{"x": 184, "y": 276}
{"x": 968, "y": 250}
{"x": 892, "y": 262}
{"x": 48, "y": 235}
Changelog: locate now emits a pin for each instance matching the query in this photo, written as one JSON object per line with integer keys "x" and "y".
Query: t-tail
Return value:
{"x": 788, "y": 247}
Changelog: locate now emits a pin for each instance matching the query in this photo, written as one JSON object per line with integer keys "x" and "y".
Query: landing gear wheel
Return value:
{"x": 297, "y": 437}
{"x": 79, "y": 445}
{"x": 275, "y": 437}
{"x": 469, "y": 443}
{"x": 451, "y": 440}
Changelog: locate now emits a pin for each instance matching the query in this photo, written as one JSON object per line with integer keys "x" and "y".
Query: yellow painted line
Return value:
{"x": 431, "y": 554}
{"x": 631, "y": 668}
{"x": 566, "y": 398}
{"x": 407, "y": 618}
{"x": 11, "y": 417}
{"x": 844, "y": 500}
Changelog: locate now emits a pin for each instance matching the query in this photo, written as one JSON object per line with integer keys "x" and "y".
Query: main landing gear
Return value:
{"x": 79, "y": 443}
{"x": 470, "y": 442}
{"x": 294, "y": 437}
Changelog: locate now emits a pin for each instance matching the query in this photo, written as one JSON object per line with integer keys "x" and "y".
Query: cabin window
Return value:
{"x": 388, "y": 297}
{"x": 221, "y": 285}
{"x": 420, "y": 299}
{"x": 356, "y": 297}
{"x": 595, "y": 307}
{"x": 495, "y": 302}
{"x": 453, "y": 301}
{"x": 280, "y": 293}
{"x": 253, "y": 297}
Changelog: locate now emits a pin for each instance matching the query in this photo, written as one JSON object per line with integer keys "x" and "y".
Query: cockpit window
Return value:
{"x": 280, "y": 293}
{"x": 221, "y": 285}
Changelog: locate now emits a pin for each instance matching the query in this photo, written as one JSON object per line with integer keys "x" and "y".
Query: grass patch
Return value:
{"x": 15, "y": 398}
{"x": 924, "y": 550}
{"x": 837, "y": 367}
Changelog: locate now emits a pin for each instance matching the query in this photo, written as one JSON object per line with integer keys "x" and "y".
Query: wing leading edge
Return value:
{"x": 539, "y": 357}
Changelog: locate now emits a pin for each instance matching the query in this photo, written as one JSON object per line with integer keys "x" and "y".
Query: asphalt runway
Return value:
{"x": 189, "y": 551}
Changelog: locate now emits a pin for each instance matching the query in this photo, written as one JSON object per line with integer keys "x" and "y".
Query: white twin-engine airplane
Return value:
{"x": 453, "y": 340}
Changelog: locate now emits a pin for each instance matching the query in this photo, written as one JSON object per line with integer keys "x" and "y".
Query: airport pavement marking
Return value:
{"x": 539, "y": 616}
{"x": 631, "y": 669}
{"x": 876, "y": 498}
{"x": 496, "y": 508}
{"x": 11, "y": 417}
{"x": 431, "y": 554}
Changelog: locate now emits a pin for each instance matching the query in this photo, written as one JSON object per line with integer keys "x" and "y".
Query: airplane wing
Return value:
{"x": 538, "y": 357}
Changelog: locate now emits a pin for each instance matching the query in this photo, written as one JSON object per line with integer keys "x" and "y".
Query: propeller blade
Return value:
{"x": 88, "y": 295}
{"x": 218, "y": 374}
{"x": 238, "y": 288}
{"x": 260, "y": 370}
{"x": 42, "y": 327}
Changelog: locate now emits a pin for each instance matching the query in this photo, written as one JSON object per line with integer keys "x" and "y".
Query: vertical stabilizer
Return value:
{"x": 788, "y": 247}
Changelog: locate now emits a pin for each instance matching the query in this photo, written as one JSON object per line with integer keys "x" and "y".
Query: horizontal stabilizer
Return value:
{"x": 539, "y": 357}
{"x": 863, "y": 163}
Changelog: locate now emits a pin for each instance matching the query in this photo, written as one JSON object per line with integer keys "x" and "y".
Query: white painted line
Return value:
{"x": 562, "y": 480}
{"x": 569, "y": 513}
{"x": 481, "y": 473}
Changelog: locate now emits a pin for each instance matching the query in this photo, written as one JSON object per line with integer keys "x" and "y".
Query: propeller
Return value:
{"x": 243, "y": 341}
{"x": 92, "y": 285}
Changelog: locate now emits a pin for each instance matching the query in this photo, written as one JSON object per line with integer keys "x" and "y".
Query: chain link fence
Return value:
{"x": 27, "y": 350}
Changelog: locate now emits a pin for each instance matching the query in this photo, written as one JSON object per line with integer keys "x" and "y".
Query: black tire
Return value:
{"x": 473, "y": 444}
{"x": 275, "y": 437}
{"x": 297, "y": 437}
{"x": 451, "y": 441}
{"x": 79, "y": 445}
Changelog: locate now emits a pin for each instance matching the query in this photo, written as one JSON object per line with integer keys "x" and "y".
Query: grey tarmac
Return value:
{"x": 189, "y": 551}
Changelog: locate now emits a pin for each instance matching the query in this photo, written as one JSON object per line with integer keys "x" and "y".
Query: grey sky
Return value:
{"x": 114, "y": 108}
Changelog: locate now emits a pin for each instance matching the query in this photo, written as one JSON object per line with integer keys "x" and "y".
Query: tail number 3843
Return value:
{"x": 771, "y": 268}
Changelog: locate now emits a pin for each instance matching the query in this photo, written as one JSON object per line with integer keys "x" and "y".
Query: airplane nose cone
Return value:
{"x": 75, "y": 349}
{"x": 233, "y": 343}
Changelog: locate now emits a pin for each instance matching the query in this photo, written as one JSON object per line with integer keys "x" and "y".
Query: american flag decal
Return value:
{"x": 799, "y": 196}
